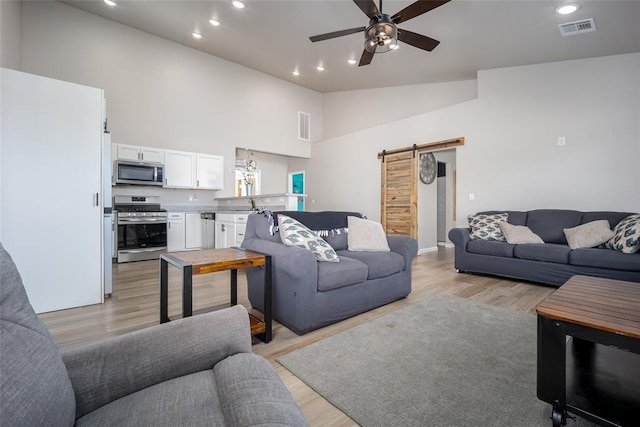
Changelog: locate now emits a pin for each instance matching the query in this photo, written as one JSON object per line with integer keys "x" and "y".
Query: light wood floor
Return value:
{"x": 135, "y": 305}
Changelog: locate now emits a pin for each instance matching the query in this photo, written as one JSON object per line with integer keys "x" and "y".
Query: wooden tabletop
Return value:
{"x": 604, "y": 304}
{"x": 211, "y": 260}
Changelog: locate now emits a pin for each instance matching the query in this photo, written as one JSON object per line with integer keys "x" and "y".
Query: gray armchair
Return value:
{"x": 190, "y": 372}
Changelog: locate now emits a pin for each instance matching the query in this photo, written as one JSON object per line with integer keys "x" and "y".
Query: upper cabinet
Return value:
{"x": 178, "y": 169}
{"x": 209, "y": 170}
{"x": 138, "y": 153}
{"x": 191, "y": 170}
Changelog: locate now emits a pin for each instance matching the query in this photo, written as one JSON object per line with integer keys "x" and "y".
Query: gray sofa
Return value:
{"x": 553, "y": 262}
{"x": 198, "y": 371}
{"x": 308, "y": 294}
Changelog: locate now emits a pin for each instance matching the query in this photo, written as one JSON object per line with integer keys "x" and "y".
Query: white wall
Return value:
{"x": 166, "y": 95}
{"x": 511, "y": 159}
{"x": 11, "y": 34}
{"x": 352, "y": 111}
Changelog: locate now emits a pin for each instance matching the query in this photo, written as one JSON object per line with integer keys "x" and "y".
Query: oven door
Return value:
{"x": 141, "y": 238}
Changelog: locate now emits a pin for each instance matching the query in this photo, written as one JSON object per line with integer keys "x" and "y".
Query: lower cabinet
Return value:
{"x": 175, "y": 232}
{"x": 184, "y": 232}
{"x": 230, "y": 229}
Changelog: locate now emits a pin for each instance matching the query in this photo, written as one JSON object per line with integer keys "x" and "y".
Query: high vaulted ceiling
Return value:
{"x": 272, "y": 36}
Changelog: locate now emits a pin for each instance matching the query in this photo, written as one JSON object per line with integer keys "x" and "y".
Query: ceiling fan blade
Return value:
{"x": 366, "y": 58}
{"x": 368, "y": 7}
{"x": 417, "y": 40}
{"x": 334, "y": 34}
{"x": 417, "y": 9}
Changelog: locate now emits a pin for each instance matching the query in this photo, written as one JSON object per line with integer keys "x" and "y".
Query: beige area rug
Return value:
{"x": 443, "y": 361}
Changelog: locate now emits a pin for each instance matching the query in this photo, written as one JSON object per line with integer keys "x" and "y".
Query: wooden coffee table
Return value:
{"x": 589, "y": 351}
{"x": 209, "y": 261}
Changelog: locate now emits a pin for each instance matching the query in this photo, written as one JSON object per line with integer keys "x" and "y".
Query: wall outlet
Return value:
{"x": 561, "y": 140}
{"x": 472, "y": 196}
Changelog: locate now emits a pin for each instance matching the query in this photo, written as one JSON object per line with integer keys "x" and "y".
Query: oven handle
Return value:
{"x": 141, "y": 220}
{"x": 139, "y": 251}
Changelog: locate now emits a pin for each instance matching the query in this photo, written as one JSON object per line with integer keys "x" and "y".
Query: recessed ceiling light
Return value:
{"x": 352, "y": 61}
{"x": 566, "y": 9}
{"x": 214, "y": 22}
{"x": 110, "y": 3}
{"x": 296, "y": 73}
{"x": 196, "y": 35}
{"x": 238, "y": 4}
{"x": 320, "y": 68}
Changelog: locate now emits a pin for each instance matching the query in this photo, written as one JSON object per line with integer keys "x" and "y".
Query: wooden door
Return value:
{"x": 399, "y": 194}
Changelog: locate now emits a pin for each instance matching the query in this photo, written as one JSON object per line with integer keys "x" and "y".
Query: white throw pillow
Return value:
{"x": 366, "y": 235}
{"x": 294, "y": 233}
{"x": 519, "y": 234}
{"x": 588, "y": 235}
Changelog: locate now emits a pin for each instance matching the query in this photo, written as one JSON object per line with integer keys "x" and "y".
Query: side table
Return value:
{"x": 589, "y": 351}
{"x": 209, "y": 261}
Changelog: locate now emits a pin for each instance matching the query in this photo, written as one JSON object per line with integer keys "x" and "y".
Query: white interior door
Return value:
{"x": 51, "y": 220}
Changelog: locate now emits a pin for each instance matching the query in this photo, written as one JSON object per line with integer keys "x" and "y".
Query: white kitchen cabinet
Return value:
{"x": 193, "y": 231}
{"x": 138, "y": 153}
{"x": 178, "y": 169}
{"x": 175, "y": 232}
{"x": 209, "y": 172}
{"x": 230, "y": 229}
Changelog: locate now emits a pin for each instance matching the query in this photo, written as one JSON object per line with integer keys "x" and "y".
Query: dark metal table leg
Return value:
{"x": 187, "y": 291}
{"x": 164, "y": 291}
{"x": 267, "y": 298}
{"x": 234, "y": 287}
{"x": 551, "y": 369}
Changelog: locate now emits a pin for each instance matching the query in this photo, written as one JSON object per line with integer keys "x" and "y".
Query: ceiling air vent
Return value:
{"x": 577, "y": 27}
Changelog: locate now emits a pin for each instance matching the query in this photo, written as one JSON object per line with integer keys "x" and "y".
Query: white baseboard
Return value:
{"x": 426, "y": 250}
{"x": 446, "y": 244}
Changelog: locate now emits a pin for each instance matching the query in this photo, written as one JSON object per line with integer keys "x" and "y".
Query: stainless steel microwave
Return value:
{"x": 141, "y": 173}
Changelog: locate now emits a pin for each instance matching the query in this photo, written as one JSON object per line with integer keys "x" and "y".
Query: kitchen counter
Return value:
{"x": 274, "y": 202}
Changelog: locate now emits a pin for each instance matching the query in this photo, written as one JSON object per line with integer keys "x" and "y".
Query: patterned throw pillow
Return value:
{"x": 626, "y": 237}
{"x": 487, "y": 227}
{"x": 294, "y": 233}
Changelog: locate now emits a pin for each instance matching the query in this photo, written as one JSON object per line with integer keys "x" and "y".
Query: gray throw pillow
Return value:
{"x": 35, "y": 389}
{"x": 519, "y": 234}
{"x": 487, "y": 227}
{"x": 588, "y": 235}
{"x": 626, "y": 237}
{"x": 294, "y": 233}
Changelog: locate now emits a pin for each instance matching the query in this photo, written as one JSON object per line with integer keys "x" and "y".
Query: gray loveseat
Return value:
{"x": 308, "y": 294}
{"x": 553, "y": 262}
{"x": 198, "y": 371}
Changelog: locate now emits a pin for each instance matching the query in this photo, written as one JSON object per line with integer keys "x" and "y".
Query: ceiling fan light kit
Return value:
{"x": 382, "y": 33}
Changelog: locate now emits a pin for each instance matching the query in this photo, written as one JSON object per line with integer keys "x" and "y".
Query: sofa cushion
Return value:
{"x": 547, "y": 252}
{"x": 189, "y": 400}
{"x": 294, "y": 233}
{"x": 550, "y": 223}
{"x": 515, "y": 217}
{"x": 605, "y": 258}
{"x": 336, "y": 275}
{"x": 487, "y": 227}
{"x": 379, "y": 264}
{"x": 588, "y": 235}
{"x": 626, "y": 237}
{"x": 613, "y": 217}
{"x": 35, "y": 388}
{"x": 519, "y": 234}
{"x": 366, "y": 235}
{"x": 488, "y": 247}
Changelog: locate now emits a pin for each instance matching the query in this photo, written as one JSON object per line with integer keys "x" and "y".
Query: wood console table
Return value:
{"x": 594, "y": 373}
{"x": 209, "y": 261}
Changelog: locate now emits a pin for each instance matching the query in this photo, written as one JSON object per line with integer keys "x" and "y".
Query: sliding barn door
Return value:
{"x": 399, "y": 194}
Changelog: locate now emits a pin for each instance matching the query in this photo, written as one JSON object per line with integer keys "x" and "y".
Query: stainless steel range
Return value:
{"x": 142, "y": 228}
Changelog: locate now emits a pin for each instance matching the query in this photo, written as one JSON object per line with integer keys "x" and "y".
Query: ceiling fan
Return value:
{"x": 382, "y": 34}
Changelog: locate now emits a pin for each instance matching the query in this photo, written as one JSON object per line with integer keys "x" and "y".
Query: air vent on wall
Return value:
{"x": 577, "y": 27}
{"x": 304, "y": 126}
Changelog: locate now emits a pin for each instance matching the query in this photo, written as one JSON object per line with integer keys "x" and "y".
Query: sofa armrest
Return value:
{"x": 460, "y": 237}
{"x": 105, "y": 371}
{"x": 405, "y": 246}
